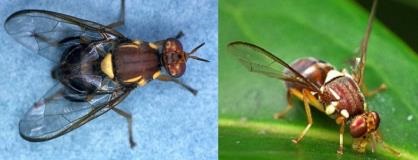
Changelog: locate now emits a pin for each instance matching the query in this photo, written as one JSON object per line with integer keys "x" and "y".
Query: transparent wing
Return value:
{"x": 48, "y": 33}
{"x": 259, "y": 60}
{"x": 55, "y": 114}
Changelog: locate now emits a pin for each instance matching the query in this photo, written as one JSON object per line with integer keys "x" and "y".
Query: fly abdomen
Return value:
{"x": 312, "y": 69}
{"x": 78, "y": 69}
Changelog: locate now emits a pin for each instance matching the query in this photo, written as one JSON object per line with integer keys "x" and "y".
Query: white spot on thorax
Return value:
{"x": 330, "y": 109}
{"x": 332, "y": 74}
{"x": 336, "y": 96}
{"x": 344, "y": 113}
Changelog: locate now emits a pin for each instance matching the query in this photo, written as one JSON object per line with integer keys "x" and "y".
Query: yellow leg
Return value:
{"x": 373, "y": 92}
{"x": 294, "y": 92}
{"x": 306, "y": 101}
{"x": 341, "y": 121}
{"x": 281, "y": 114}
{"x": 312, "y": 100}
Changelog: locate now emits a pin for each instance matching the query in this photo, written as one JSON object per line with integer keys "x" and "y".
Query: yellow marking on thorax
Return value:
{"x": 156, "y": 75}
{"x": 142, "y": 82}
{"x": 152, "y": 45}
{"x": 129, "y": 46}
{"x": 106, "y": 66}
{"x": 135, "y": 79}
{"x": 137, "y": 42}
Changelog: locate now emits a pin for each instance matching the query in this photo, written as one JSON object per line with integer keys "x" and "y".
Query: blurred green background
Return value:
{"x": 329, "y": 30}
{"x": 400, "y": 16}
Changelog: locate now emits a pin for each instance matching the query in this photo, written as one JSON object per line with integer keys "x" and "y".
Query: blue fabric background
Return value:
{"x": 169, "y": 122}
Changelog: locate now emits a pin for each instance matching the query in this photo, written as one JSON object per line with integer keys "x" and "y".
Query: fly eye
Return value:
{"x": 171, "y": 57}
{"x": 358, "y": 127}
{"x": 176, "y": 57}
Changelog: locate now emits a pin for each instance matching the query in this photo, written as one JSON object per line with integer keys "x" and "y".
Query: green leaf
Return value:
{"x": 329, "y": 30}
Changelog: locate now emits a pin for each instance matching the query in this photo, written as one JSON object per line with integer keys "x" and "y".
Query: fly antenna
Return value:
{"x": 364, "y": 44}
{"x": 189, "y": 55}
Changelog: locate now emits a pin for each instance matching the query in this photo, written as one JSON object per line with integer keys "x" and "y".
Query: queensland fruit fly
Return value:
{"x": 96, "y": 68}
{"x": 317, "y": 83}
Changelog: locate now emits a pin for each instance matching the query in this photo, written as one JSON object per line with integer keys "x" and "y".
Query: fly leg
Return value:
{"x": 341, "y": 121}
{"x": 185, "y": 86}
{"x": 128, "y": 117}
{"x": 282, "y": 113}
{"x": 121, "y": 20}
{"x": 307, "y": 97}
{"x": 373, "y": 92}
{"x": 296, "y": 93}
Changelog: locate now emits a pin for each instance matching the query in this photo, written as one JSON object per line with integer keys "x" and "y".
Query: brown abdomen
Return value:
{"x": 312, "y": 69}
{"x": 132, "y": 61}
{"x": 348, "y": 92}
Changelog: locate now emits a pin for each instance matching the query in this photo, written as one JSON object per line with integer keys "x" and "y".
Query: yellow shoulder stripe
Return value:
{"x": 106, "y": 66}
{"x": 135, "y": 79}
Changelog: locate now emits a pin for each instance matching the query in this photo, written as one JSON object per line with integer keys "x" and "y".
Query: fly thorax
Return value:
{"x": 342, "y": 95}
{"x": 136, "y": 63}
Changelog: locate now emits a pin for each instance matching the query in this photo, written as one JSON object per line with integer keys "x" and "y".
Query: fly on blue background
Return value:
{"x": 168, "y": 121}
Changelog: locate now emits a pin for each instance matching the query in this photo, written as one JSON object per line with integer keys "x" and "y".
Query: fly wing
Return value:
{"x": 55, "y": 114}
{"x": 259, "y": 60}
{"x": 48, "y": 33}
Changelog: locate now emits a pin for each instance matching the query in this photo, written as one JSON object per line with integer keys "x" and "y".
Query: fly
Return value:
{"x": 96, "y": 68}
{"x": 319, "y": 84}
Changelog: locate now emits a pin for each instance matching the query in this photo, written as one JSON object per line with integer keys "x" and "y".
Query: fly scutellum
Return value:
{"x": 96, "y": 68}
{"x": 319, "y": 84}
